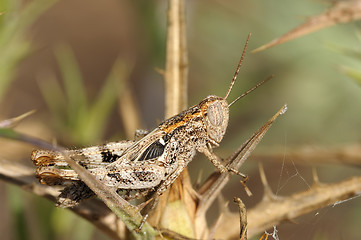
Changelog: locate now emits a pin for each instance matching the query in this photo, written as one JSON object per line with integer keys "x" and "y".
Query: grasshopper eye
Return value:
{"x": 215, "y": 114}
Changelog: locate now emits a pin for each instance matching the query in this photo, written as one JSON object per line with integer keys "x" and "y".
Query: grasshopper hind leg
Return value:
{"x": 72, "y": 195}
{"x": 78, "y": 191}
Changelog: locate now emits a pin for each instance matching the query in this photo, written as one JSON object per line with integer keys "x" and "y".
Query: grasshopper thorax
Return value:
{"x": 215, "y": 114}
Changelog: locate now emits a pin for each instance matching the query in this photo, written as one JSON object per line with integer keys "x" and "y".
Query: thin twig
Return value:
{"x": 242, "y": 218}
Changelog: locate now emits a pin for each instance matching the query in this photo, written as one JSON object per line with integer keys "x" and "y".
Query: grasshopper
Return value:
{"x": 146, "y": 167}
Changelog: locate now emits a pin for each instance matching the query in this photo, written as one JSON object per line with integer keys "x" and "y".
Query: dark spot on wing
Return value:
{"x": 143, "y": 176}
{"x": 119, "y": 178}
{"x": 155, "y": 150}
{"x": 109, "y": 157}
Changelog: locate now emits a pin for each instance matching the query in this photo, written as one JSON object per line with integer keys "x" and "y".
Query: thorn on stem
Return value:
{"x": 268, "y": 194}
{"x": 316, "y": 180}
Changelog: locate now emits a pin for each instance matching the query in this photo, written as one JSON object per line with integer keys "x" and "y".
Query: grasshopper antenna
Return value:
{"x": 250, "y": 90}
{"x": 238, "y": 67}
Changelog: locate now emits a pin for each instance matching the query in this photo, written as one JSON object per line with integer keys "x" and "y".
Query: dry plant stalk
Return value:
{"x": 311, "y": 155}
{"x": 176, "y": 82}
{"x": 176, "y": 69}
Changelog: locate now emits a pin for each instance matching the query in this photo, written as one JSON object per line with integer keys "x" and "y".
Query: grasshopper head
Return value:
{"x": 215, "y": 114}
{"x": 215, "y": 110}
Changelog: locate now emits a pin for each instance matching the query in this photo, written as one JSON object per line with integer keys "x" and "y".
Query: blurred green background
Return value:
{"x": 73, "y": 60}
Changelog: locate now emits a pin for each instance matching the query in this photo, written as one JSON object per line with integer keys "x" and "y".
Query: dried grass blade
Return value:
{"x": 341, "y": 12}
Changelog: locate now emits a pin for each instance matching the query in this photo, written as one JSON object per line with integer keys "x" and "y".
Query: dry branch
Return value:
{"x": 348, "y": 155}
{"x": 272, "y": 211}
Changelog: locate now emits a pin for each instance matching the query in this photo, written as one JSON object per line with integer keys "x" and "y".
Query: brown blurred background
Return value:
{"x": 324, "y": 104}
